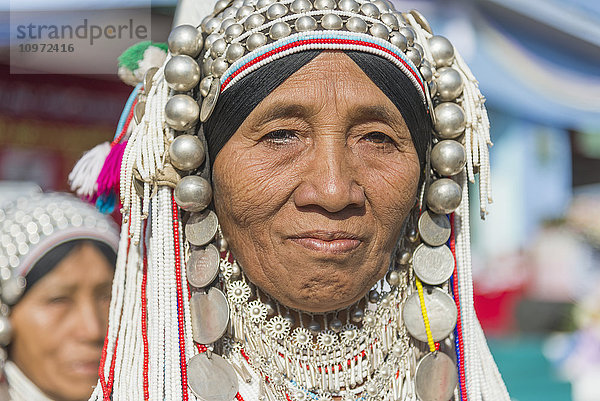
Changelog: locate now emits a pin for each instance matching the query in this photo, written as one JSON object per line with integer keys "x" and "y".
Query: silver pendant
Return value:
{"x": 441, "y": 312}
{"x": 433, "y": 265}
{"x": 209, "y": 102}
{"x": 201, "y": 228}
{"x": 203, "y": 266}
{"x": 436, "y": 377}
{"x": 434, "y": 228}
{"x": 212, "y": 379}
{"x": 210, "y": 316}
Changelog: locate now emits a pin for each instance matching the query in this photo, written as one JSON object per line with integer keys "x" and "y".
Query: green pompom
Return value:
{"x": 131, "y": 57}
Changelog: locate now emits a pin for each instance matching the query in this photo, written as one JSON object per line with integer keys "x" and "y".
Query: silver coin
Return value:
{"x": 433, "y": 264}
{"x": 201, "y": 227}
{"x": 209, "y": 102}
{"x": 212, "y": 379}
{"x": 203, "y": 266}
{"x": 210, "y": 316}
{"x": 436, "y": 377}
{"x": 441, "y": 311}
{"x": 434, "y": 228}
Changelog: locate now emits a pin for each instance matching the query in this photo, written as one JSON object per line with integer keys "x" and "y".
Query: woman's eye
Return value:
{"x": 280, "y": 136}
{"x": 58, "y": 300}
{"x": 378, "y": 138}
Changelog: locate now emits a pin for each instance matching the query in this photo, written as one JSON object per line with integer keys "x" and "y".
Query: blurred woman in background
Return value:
{"x": 57, "y": 259}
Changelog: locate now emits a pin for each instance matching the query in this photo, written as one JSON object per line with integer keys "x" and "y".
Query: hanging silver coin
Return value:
{"x": 212, "y": 379}
{"x": 201, "y": 227}
{"x": 209, "y": 102}
{"x": 436, "y": 377}
{"x": 210, "y": 316}
{"x": 203, "y": 266}
{"x": 433, "y": 265}
{"x": 434, "y": 228}
{"x": 441, "y": 312}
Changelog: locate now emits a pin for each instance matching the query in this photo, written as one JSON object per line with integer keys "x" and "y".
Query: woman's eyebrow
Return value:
{"x": 362, "y": 113}
{"x": 281, "y": 110}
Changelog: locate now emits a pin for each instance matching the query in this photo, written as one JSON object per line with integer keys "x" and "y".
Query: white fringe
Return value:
{"x": 84, "y": 175}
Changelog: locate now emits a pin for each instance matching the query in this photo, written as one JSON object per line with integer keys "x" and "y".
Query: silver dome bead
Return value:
{"x": 419, "y": 48}
{"x": 186, "y": 152}
{"x": 332, "y": 22}
{"x": 398, "y": 351}
{"x": 264, "y": 3}
{"x": 404, "y": 257}
{"x": 193, "y": 193}
{"x": 212, "y": 25}
{"x": 182, "y": 73}
{"x": 390, "y": 20}
{"x": 382, "y": 5}
{"x": 254, "y": 21}
{"x": 243, "y": 12}
{"x": 255, "y": 41}
{"x": 289, "y": 317}
{"x": 356, "y": 24}
{"x": 234, "y": 52}
{"x": 380, "y": 31}
{"x": 276, "y": 10}
{"x": 398, "y": 40}
{"x": 442, "y": 51}
{"x": 226, "y": 24}
{"x": 218, "y": 48}
{"x": 314, "y": 326}
{"x": 5, "y": 331}
{"x": 443, "y": 196}
{"x": 426, "y": 72}
{"x": 279, "y": 30}
{"x": 370, "y": 10}
{"x": 237, "y": 3}
{"x": 306, "y": 23}
{"x": 408, "y": 33}
{"x": 219, "y": 66}
{"x": 181, "y": 112}
{"x": 233, "y": 31}
{"x": 205, "y": 85}
{"x": 12, "y": 289}
{"x": 393, "y": 278}
{"x": 357, "y": 315}
{"x": 448, "y": 157}
{"x": 300, "y": 6}
{"x": 230, "y": 12}
{"x": 414, "y": 55}
{"x": 374, "y": 296}
{"x": 221, "y": 5}
{"x": 349, "y": 5}
{"x": 221, "y": 244}
{"x": 324, "y": 4}
{"x": 210, "y": 39}
{"x": 372, "y": 389}
{"x": 270, "y": 308}
{"x": 433, "y": 88}
{"x": 449, "y": 83}
{"x": 185, "y": 39}
{"x": 336, "y": 325}
{"x": 207, "y": 67}
{"x": 450, "y": 120}
{"x": 236, "y": 272}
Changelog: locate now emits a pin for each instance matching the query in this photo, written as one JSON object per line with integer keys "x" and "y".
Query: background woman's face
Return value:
{"x": 59, "y": 325}
{"x": 312, "y": 189}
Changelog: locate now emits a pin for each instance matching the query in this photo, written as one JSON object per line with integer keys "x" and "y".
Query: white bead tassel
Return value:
{"x": 86, "y": 171}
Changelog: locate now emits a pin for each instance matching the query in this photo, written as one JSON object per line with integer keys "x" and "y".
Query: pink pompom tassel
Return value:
{"x": 108, "y": 180}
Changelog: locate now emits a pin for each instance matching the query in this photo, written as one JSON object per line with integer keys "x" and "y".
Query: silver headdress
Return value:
{"x": 162, "y": 346}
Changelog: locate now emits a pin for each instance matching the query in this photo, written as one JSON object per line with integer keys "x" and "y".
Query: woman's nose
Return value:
{"x": 329, "y": 181}
{"x": 90, "y": 323}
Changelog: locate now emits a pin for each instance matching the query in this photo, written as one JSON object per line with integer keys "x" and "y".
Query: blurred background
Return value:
{"x": 537, "y": 255}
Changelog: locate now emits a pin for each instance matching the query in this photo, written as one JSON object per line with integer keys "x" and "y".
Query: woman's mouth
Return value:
{"x": 333, "y": 242}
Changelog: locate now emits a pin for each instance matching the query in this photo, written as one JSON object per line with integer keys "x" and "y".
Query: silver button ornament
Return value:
{"x": 276, "y": 10}
{"x": 450, "y": 120}
{"x": 442, "y": 51}
{"x": 193, "y": 193}
{"x": 370, "y": 10}
{"x": 182, "y": 73}
{"x": 243, "y": 12}
{"x": 226, "y": 24}
{"x": 398, "y": 40}
{"x": 349, "y": 6}
{"x": 426, "y": 72}
{"x": 390, "y": 20}
{"x": 325, "y": 4}
{"x": 279, "y": 30}
{"x": 332, "y": 22}
{"x": 356, "y": 24}
{"x": 13, "y": 288}
{"x": 233, "y": 31}
{"x": 414, "y": 55}
{"x": 218, "y": 48}
{"x": 393, "y": 278}
{"x": 219, "y": 66}
{"x": 221, "y": 5}
{"x": 448, "y": 157}
{"x": 181, "y": 112}
{"x": 212, "y": 25}
{"x": 185, "y": 40}
{"x": 357, "y": 315}
{"x": 408, "y": 33}
{"x": 234, "y": 52}
{"x": 264, "y": 3}
{"x": 300, "y": 6}
{"x": 254, "y": 21}
{"x": 336, "y": 325}
{"x": 306, "y": 23}
{"x": 210, "y": 39}
{"x": 5, "y": 331}
{"x": 449, "y": 83}
{"x": 186, "y": 152}
{"x": 256, "y": 40}
{"x": 207, "y": 67}
{"x": 380, "y": 31}
{"x": 444, "y": 196}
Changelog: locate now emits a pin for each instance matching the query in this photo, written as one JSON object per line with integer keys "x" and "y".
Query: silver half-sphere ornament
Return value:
{"x": 450, "y": 120}
{"x": 212, "y": 25}
{"x": 414, "y": 55}
{"x": 399, "y": 40}
{"x": 306, "y": 23}
{"x": 193, "y": 193}
{"x": 227, "y": 22}
{"x": 442, "y": 51}
{"x": 264, "y": 3}
{"x": 256, "y": 40}
{"x": 324, "y": 4}
{"x": 380, "y": 31}
{"x": 449, "y": 83}
{"x": 276, "y": 10}
{"x": 181, "y": 112}
{"x": 332, "y": 22}
{"x": 300, "y": 6}
{"x": 186, "y": 40}
{"x": 182, "y": 73}
{"x": 390, "y": 20}
{"x": 444, "y": 196}
{"x": 12, "y": 289}
{"x": 218, "y": 48}
{"x": 426, "y": 72}
{"x": 355, "y": 24}
{"x": 219, "y": 66}
{"x": 279, "y": 30}
{"x": 370, "y": 10}
{"x": 254, "y": 21}
{"x": 234, "y": 52}
{"x": 448, "y": 157}
{"x": 221, "y": 5}
{"x": 5, "y": 331}
{"x": 408, "y": 33}
{"x": 233, "y": 31}
{"x": 243, "y": 12}
{"x": 349, "y": 5}
{"x": 186, "y": 152}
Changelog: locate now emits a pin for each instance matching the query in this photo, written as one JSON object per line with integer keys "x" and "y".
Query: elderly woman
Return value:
{"x": 57, "y": 260}
{"x": 295, "y": 191}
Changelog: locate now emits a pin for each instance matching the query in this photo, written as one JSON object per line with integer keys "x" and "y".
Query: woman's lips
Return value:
{"x": 85, "y": 368}
{"x": 335, "y": 242}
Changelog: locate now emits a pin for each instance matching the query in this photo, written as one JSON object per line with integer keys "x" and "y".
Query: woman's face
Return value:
{"x": 59, "y": 325}
{"x": 312, "y": 190}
